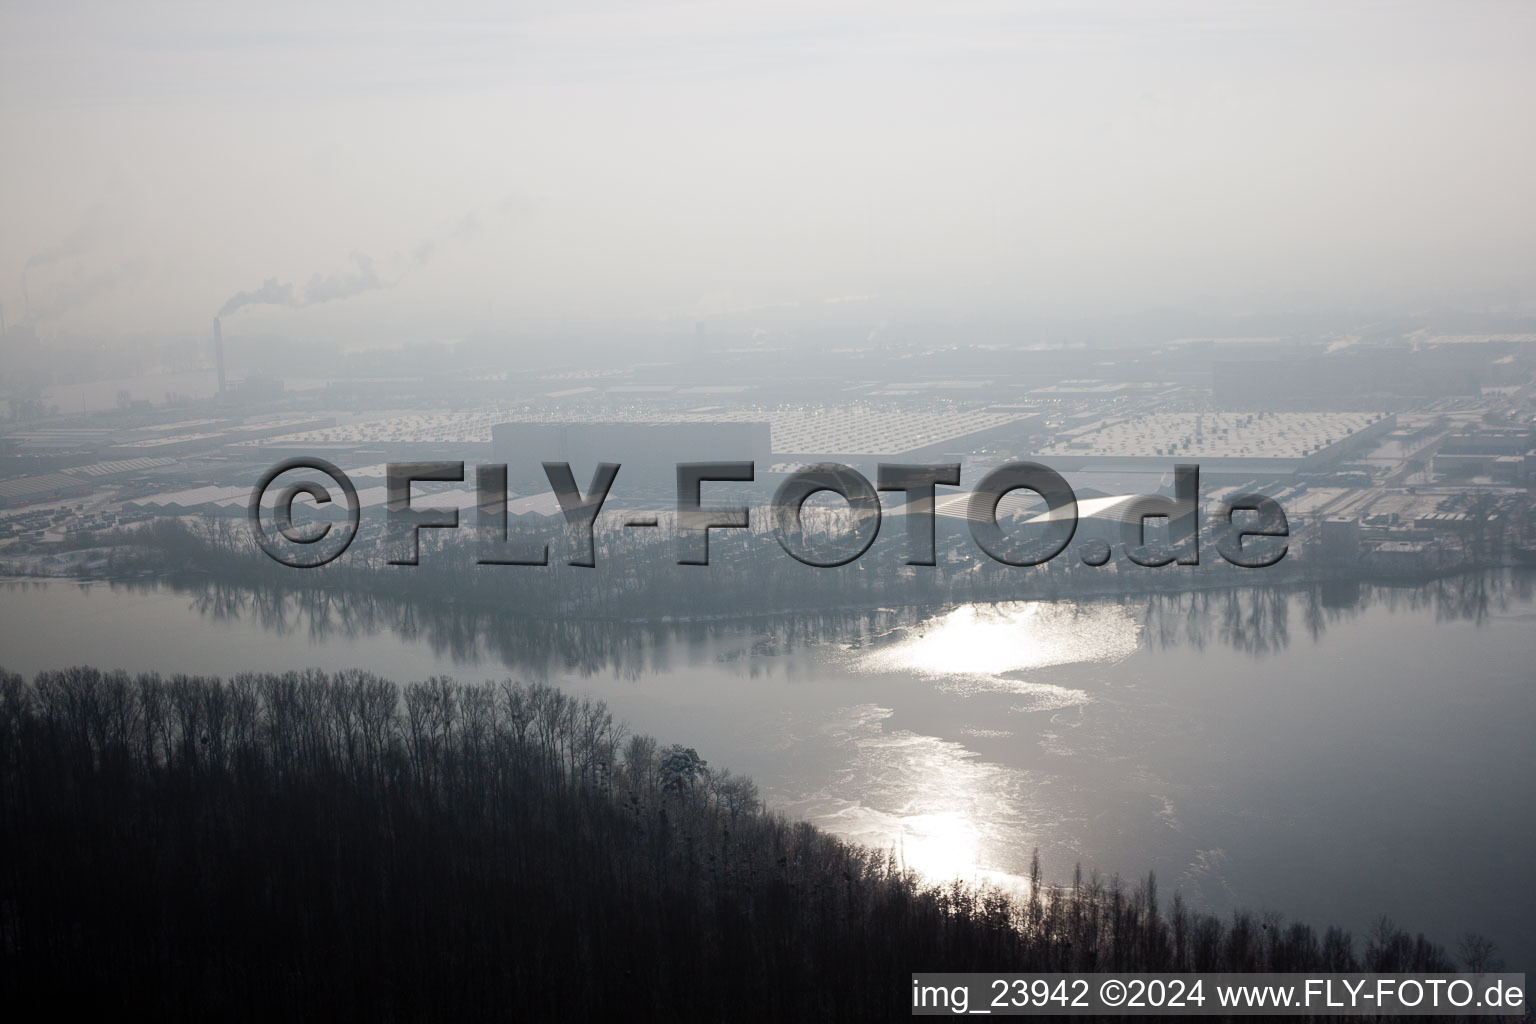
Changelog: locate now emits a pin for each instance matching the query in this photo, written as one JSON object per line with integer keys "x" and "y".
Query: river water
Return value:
{"x": 1334, "y": 755}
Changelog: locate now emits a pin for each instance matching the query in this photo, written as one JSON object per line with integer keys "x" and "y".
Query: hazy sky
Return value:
{"x": 455, "y": 165}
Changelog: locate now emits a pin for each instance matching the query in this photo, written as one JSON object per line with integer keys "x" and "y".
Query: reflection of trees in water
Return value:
{"x": 1253, "y": 619}
{"x": 1256, "y": 620}
{"x": 470, "y": 615}
{"x": 540, "y": 647}
{"x": 1475, "y": 598}
{"x": 222, "y": 604}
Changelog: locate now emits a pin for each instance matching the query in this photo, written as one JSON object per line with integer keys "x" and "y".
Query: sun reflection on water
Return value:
{"x": 978, "y": 647}
{"x": 936, "y": 806}
{"x": 942, "y": 809}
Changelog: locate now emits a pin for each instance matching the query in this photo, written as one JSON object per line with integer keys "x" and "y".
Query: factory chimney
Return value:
{"x": 218, "y": 352}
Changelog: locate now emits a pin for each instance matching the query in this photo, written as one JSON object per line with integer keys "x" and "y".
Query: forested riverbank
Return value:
{"x": 320, "y": 846}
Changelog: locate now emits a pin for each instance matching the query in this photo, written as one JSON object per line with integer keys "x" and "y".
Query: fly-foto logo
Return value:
{"x": 1249, "y": 530}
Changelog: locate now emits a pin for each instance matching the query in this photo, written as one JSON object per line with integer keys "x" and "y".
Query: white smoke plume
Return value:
{"x": 339, "y": 285}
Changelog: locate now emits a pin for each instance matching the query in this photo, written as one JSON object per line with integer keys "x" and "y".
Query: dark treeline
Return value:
{"x": 532, "y": 618}
{"x": 334, "y": 846}
{"x": 637, "y": 578}
{"x": 636, "y": 573}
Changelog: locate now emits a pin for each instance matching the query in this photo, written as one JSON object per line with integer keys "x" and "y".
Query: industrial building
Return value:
{"x": 858, "y": 436}
{"x": 653, "y": 441}
{"x": 786, "y": 438}
{"x": 30, "y": 490}
{"x": 1503, "y": 455}
{"x": 1222, "y": 443}
{"x": 465, "y": 435}
{"x": 648, "y": 451}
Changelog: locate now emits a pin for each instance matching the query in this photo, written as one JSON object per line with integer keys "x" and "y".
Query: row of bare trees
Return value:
{"x": 333, "y": 845}
{"x": 637, "y": 573}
